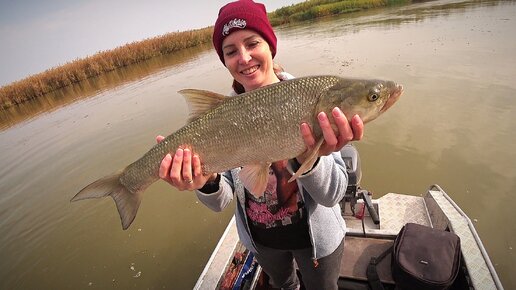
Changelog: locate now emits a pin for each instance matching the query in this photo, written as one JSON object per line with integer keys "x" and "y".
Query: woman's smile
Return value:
{"x": 250, "y": 70}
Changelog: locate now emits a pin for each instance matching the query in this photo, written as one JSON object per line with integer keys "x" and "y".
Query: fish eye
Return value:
{"x": 374, "y": 93}
{"x": 372, "y": 97}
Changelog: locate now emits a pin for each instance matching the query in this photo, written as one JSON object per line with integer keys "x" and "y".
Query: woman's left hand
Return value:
{"x": 183, "y": 169}
{"x": 347, "y": 131}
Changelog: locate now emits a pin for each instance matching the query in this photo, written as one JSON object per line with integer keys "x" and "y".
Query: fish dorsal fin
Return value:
{"x": 255, "y": 177}
{"x": 309, "y": 162}
{"x": 200, "y": 101}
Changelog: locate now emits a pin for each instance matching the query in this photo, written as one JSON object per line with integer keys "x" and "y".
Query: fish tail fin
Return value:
{"x": 127, "y": 203}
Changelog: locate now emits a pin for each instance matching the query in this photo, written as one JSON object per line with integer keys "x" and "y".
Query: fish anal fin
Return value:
{"x": 200, "y": 101}
{"x": 127, "y": 203}
{"x": 255, "y": 177}
{"x": 309, "y": 161}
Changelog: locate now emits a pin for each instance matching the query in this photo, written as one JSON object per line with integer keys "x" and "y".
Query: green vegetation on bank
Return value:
{"x": 320, "y": 8}
{"x": 75, "y": 71}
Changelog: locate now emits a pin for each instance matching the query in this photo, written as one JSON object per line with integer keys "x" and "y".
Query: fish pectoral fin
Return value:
{"x": 309, "y": 162}
{"x": 255, "y": 177}
{"x": 127, "y": 203}
{"x": 200, "y": 101}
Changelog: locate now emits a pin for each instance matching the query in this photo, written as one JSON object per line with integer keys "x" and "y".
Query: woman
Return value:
{"x": 300, "y": 220}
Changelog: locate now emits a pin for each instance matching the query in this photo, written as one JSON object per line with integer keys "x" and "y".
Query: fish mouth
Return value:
{"x": 396, "y": 92}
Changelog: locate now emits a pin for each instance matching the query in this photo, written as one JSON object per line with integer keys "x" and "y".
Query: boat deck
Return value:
{"x": 436, "y": 209}
{"x": 395, "y": 210}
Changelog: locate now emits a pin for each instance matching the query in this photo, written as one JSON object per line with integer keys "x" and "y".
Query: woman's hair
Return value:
{"x": 239, "y": 88}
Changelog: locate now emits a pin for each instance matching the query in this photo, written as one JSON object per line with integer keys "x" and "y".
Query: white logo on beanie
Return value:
{"x": 239, "y": 23}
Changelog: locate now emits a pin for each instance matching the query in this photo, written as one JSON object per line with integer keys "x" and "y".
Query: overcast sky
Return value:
{"x": 37, "y": 35}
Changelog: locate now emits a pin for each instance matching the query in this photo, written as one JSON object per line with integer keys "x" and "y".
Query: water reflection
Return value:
{"x": 93, "y": 86}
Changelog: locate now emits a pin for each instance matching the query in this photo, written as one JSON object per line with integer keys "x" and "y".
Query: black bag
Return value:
{"x": 423, "y": 258}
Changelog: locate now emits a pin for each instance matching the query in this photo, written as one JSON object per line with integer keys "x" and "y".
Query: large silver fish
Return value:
{"x": 251, "y": 130}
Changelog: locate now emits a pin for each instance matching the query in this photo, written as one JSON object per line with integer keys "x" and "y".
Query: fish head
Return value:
{"x": 366, "y": 98}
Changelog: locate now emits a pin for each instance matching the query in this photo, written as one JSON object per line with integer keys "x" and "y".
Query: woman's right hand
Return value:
{"x": 183, "y": 170}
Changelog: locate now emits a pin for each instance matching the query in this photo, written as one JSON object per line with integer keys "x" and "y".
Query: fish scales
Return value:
{"x": 258, "y": 127}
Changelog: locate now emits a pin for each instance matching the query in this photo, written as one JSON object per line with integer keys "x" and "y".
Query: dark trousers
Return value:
{"x": 280, "y": 267}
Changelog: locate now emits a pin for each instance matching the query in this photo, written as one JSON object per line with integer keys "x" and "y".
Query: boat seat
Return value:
{"x": 357, "y": 254}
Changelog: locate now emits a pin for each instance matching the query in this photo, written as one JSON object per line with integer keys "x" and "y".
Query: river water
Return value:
{"x": 453, "y": 126}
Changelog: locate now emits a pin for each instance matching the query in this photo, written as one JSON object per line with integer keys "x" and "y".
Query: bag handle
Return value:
{"x": 372, "y": 274}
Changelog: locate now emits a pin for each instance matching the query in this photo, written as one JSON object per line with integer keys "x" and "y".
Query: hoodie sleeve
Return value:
{"x": 327, "y": 181}
{"x": 221, "y": 198}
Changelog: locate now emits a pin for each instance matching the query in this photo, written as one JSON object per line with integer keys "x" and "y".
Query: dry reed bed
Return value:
{"x": 80, "y": 69}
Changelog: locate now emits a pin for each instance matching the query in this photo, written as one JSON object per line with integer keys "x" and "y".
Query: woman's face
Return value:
{"x": 248, "y": 58}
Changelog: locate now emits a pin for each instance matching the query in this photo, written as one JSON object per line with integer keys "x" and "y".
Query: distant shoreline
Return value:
{"x": 78, "y": 70}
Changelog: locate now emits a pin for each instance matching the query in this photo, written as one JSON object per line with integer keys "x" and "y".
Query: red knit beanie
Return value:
{"x": 243, "y": 14}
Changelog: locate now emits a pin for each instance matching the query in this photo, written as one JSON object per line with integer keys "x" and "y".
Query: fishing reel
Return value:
{"x": 353, "y": 192}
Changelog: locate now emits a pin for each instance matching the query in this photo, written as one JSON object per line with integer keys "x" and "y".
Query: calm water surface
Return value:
{"x": 453, "y": 126}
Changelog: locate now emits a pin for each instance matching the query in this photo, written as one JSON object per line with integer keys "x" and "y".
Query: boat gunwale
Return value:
{"x": 471, "y": 227}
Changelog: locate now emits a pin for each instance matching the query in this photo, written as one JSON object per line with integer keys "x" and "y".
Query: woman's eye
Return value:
{"x": 253, "y": 44}
{"x": 230, "y": 52}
